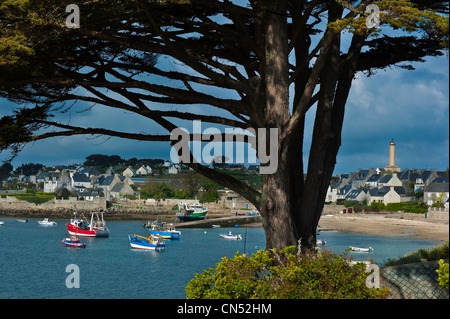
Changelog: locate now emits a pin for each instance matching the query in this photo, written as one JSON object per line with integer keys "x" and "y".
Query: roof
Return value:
{"x": 353, "y": 194}
{"x": 89, "y": 170}
{"x": 105, "y": 180}
{"x": 374, "y": 178}
{"x": 379, "y": 191}
{"x": 437, "y": 188}
{"x": 118, "y": 187}
{"x": 394, "y": 181}
{"x": 386, "y": 178}
{"x": 440, "y": 180}
{"x": 80, "y": 178}
{"x": 405, "y": 175}
{"x": 344, "y": 190}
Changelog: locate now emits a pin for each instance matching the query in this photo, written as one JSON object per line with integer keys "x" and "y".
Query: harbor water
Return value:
{"x": 34, "y": 262}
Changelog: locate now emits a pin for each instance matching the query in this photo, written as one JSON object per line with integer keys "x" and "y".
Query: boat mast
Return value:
{"x": 92, "y": 220}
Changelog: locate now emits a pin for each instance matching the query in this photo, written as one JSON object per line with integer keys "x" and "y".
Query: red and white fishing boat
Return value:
{"x": 95, "y": 228}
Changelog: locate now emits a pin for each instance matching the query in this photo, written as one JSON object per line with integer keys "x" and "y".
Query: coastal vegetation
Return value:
{"x": 418, "y": 206}
{"x": 436, "y": 253}
{"x": 443, "y": 273}
{"x": 284, "y": 274}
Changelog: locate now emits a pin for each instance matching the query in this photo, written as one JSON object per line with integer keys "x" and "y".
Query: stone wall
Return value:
{"x": 12, "y": 203}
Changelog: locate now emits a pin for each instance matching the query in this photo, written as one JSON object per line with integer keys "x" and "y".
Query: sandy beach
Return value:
{"x": 385, "y": 225}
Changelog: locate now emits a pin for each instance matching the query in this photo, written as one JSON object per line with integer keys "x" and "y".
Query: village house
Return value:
{"x": 343, "y": 191}
{"x": 144, "y": 170}
{"x": 174, "y": 169}
{"x": 90, "y": 194}
{"x": 436, "y": 192}
{"x": 129, "y": 171}
{"x": 121, "y": 189}
{"x": 356, "y": 194}
{"x": 373, "y": 180}
{"x": 81, "y": 181}
{"x": 376, "y": 195}
{"x": 50, "y": 182}
{"x": 360, "y": 177}
{"x": 392, "y": 192}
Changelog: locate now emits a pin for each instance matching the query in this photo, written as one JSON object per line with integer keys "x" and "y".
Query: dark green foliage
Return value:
{"x": 410, "y": 207}
{"x": 377, "y": 206}
{"x": 284, "y": 274}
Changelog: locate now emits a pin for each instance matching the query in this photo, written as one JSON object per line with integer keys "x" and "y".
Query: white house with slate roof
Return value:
{"x": 356, "y": 194}
{"x": 393, "y": 195}
{"x": 129, "y": 171}
{"x": 436, "y": 191}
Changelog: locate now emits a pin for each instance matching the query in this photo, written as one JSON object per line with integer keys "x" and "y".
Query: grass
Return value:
{"x": 36, "y": 198}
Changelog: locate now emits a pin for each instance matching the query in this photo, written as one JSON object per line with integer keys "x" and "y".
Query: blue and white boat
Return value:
{"x": 146, "y": 243}
{"x": 166, "y": 231}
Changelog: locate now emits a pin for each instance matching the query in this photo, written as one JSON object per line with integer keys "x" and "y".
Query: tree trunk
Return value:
{"x": 277, "y": 208}
{"x": 277, "y": 197}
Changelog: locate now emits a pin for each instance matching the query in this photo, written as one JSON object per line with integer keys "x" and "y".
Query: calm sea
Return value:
{"x": 33, "y": 259}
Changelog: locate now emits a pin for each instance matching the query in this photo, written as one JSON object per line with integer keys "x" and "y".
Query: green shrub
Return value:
{"x": 284, "y": 274}
{"x": 376, "y": 205}
{"x": 436, "y": 253}
{"x": 443, "y": 274}
{"x": 410, "y": 207}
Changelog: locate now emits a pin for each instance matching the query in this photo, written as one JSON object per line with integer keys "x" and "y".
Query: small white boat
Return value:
{"x": 215, "y": 226}
{"x": 46, "y": 222}
{"x": 321, "y": 242}
{"x": 230, "y": 235}
{"x": 361, "y": 250}
{"x": 22, "y": 220}
{"x": 2, "y": 223}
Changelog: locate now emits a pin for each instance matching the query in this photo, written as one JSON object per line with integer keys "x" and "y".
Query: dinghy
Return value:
{"x": 230, "y": 235}
{"x": 361, "y": 249}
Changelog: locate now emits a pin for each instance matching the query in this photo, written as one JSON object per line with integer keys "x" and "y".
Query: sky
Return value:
{"x": 411, "y": 107}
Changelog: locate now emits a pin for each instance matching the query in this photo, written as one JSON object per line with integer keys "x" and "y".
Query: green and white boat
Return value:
{"x": 191, "y": 212}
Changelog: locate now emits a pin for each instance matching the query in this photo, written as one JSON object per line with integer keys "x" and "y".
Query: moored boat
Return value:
{"x": 22, "y": 220}
{"x": 230, "y": 235}
{"x": 95, "y": 228}
{"x": 361, "y": 249}
{"x": 73, "y": 241}
{"x": 45, "y": 221}
{"x": 2, "y": 222}
{"x": 146, "y": 243}
{"x": 191, "y": 212}
{"x": 164, "y": 230}
{"x": 321, "y": 242}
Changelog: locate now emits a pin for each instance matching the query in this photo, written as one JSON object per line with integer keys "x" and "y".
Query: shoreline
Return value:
{"x": 388, "y": 224}
{"x": 385, "y": 225}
